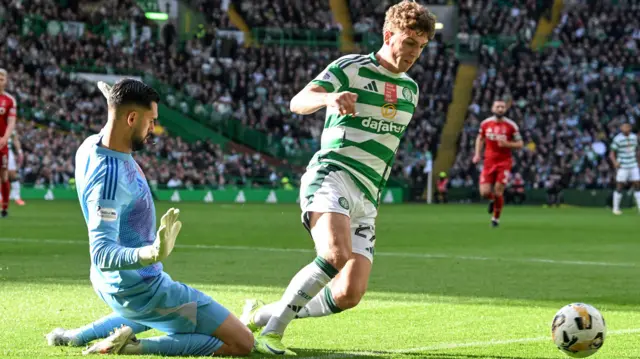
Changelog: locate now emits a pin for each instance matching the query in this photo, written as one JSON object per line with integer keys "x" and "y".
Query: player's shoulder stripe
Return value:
{"x": 110, "y": 184}
{"x": 11, "y": 97}
{"x": 346, "y": 58}
{"x": 357, "y": 60}
{"x": 511, "y": 122}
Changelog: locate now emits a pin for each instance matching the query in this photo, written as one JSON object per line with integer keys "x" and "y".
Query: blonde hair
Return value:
{"x": 409, "y": 15}
{"x": 3, "y": 72}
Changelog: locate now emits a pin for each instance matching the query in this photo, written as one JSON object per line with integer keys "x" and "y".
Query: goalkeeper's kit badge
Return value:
{"x": 107, "y": 214}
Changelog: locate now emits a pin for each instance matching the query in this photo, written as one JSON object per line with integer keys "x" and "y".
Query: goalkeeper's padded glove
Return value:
{"x": 165, "y": 239}
{"x": 105, "y": 89}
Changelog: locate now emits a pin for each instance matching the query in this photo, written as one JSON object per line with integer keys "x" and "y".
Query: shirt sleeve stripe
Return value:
{"x": 105, "y": 185}
{"x": 115, "y": 180}
{"x": 111, "y": 180}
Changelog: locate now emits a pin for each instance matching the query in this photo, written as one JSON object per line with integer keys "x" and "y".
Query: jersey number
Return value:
{"x": 363, "y": 228}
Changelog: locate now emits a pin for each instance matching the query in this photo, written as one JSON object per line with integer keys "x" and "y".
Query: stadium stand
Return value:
{"x": 253, "y": 89}
{"x": 63, "y": 109}
{"x": 287, "y": 14}
{"x": 568, "y": 100}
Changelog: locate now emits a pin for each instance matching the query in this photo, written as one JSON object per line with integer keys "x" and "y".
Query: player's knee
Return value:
{"x": 338, "y": 256}
{"x": 243, "y": 346}
{"x": 349, "y": 297}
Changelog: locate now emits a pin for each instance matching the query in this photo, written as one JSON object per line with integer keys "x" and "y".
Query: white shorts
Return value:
{"x": 628, "y": 175}
{"x": 12, "y": 162}
{"x": 327, "y": 188}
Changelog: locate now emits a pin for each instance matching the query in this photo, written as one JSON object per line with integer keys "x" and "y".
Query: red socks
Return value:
{"x": 5, "y": 190}
{"x": 497, "y": 206}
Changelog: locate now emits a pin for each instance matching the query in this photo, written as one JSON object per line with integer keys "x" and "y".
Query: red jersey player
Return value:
{"x": 502, "y": 136}
{"x": 8, "y": 110}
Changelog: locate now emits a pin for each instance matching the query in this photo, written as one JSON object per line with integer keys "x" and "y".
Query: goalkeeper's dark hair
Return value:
{"x": 132, "y": 92}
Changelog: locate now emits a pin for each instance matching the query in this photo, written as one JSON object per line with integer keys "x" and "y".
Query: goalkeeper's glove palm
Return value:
{"x": 165, "y": 239}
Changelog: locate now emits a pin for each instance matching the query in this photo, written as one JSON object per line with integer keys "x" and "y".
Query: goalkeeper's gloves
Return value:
{"x": 165, "y": 239}
{"x": 105, "y": 89}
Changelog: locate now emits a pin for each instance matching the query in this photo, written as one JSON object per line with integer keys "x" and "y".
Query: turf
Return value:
{"x": 444, "y": 284}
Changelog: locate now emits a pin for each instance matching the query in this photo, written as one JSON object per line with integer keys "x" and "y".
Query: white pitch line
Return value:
{"x": 444, "y": 346}
{"x": 380, "y": 254}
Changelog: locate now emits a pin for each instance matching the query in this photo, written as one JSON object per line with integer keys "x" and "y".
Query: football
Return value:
{"x": 578, "y": 330}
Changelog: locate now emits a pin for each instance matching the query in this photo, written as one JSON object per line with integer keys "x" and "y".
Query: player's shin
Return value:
{"x": 497, "y": 208}
{"x": 15, "y": 191}
{"x": 5, "y": 190}
{"x": 321, "y": 305}
{"x": 302, "y": 288}
{"x": 617, "y": 198}
{"x": 637, "y": 195}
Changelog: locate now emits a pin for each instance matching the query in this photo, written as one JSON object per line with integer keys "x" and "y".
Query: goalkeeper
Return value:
{"x": 127, "y": 252}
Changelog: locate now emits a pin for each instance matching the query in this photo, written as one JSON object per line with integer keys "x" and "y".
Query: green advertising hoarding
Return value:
{"x": 390, "y": 195}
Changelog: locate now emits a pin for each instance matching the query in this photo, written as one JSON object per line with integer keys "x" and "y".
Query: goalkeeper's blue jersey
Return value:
{"x": 118, "y": 208}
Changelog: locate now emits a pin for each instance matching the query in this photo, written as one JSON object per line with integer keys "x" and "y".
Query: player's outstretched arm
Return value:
{"x": 165, "y": 239}
{"x": 314, "y": 97}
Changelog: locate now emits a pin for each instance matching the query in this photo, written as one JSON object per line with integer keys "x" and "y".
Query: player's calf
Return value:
{"x": 486, "y": 192}
{"x": 5, "y": 190}
{"x": 617, "y": 198}
{"x": 237, "y": 339}
{"x": 349, "y": 287}
{"x": 636, "y": 194}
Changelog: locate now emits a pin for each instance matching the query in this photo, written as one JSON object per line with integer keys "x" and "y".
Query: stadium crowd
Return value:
{"x": 566, "y": 126}
{"x": 254, "y": 88}
{"x": 287, "y": 14}
{"x": 170, "y": 162}
{"x": 568, "y": 100}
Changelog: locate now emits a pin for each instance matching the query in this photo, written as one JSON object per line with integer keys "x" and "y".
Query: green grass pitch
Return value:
{"x": 444, "y": 284}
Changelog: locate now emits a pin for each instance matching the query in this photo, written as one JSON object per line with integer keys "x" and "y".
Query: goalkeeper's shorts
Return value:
{"x": 170, "y": 307}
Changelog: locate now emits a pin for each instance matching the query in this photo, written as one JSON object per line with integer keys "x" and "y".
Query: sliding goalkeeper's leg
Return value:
{"x": 99, "y": 329}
